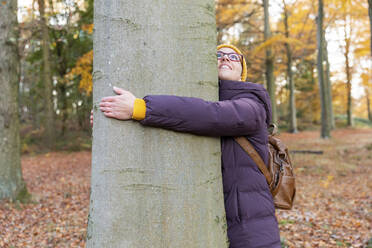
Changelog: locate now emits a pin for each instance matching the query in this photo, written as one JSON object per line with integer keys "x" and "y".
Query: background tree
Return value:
{"x": 325, "y": 131}
{"x": 347, "y": 30}
{"x": 153, "y": 187}
{"x": 327, "y": 75}
{"x": 269, "y": 62}
{"x": 292, "y": 103}
{"x": 49, "y": 126}
{"x": 11, "y": 181}
{"x": 366, "y": 82}
{"x": 328, "y": 85}
{"x": 370, "y": 22}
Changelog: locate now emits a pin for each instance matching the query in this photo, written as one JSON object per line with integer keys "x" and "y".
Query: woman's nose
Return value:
{"x": 225, "y": 57}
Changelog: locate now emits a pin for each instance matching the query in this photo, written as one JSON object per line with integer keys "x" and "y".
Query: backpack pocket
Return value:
{"x": 285, "y": 196}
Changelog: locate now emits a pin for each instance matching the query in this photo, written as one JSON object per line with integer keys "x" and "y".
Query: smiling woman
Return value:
{"x": 229, "y": 64}
{"x": 243, "y": 110}
{"x": 231, "y": 69}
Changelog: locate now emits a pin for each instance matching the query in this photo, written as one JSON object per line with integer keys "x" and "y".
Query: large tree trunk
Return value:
{"x": 325, "y": 131}
{"x": 11, "y": 182}
{"x": 152, "y": 187}
{"x": 269, "y": 63}
{"x": 292, "y": 100}
{"x": 50, "y": 133}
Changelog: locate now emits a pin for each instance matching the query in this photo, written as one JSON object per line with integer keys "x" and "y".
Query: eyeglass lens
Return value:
{"x": 231, "y": 56}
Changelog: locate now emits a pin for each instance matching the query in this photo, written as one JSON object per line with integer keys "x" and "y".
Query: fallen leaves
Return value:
{"x": 59, "y": 184}
{"x": 333, "y": 206}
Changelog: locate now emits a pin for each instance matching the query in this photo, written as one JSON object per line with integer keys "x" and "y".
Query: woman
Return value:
{"x": 243, "y": 110}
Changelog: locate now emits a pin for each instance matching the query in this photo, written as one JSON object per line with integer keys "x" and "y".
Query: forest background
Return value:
{"x": 69, "y": 24}
{"x": 55, "y": 100}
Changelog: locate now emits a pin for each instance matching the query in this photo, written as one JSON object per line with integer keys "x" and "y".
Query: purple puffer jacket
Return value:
{"x": 244, "y": 109}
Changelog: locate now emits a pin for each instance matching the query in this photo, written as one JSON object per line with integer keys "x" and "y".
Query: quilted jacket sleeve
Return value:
{"x": 242, "y": 116}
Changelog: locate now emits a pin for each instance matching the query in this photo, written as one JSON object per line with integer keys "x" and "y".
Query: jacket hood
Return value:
{"x": 229, "y": 90}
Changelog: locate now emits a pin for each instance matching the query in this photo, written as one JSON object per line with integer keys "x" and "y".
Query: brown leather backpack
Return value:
{"x": 279, "y": 172}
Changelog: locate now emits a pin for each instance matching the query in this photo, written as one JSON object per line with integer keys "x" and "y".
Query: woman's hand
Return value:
{"x": 119, "y": 107}
{"x": 91, "y": 118}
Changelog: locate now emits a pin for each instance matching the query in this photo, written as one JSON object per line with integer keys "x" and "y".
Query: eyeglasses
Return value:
{"x": 232, "y": 56}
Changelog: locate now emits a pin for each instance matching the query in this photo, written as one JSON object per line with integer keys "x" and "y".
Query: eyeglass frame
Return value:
{"x": 223, "y": 55}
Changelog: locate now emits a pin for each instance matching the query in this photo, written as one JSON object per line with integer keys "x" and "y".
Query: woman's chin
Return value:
{"x": 227, "y": 77}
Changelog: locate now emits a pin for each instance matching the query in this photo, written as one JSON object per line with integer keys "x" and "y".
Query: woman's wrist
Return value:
{"x": 139, "y": 109}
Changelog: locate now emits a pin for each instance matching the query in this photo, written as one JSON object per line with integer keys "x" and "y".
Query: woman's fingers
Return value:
{"x": 119, "y": 91}
{"x": 91, "y": 118}
{"x": 105, "y": 104}
{"x": 106, "y": 109}
{"x": 108, "y": 99}
{"x": 109, "y": 114}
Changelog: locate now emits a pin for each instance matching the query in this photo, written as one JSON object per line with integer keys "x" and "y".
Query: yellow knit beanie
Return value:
{"x": 244, "y": 64}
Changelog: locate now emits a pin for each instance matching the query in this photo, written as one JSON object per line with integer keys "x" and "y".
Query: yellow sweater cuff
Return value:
{"x": 139, "y": 109}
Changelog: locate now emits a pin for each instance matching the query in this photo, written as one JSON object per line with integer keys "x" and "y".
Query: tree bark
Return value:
{"x": 152, "y": 187}
{"x": 368, "y": 105}
{"x": 325, "y": 131}
{"x": 11, "y": 181}
{"x": 328, "y": 84}
{"x": 292, "y": 100}
{"x": 49, "y": 126}
{"x": 370, "y": 22}
{"x": 63, "y": 107}
{"x": 348, "y": 68}
{"x": 269, "y": 63}
{"x": 370, "y": 41}
{"x": 313, "y": 82}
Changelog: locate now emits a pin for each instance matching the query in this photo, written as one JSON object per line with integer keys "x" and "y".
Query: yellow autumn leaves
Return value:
{"x": 84, "y": 66}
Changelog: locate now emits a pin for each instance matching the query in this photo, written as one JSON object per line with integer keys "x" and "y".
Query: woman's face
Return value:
{"x": 228, "y": 69}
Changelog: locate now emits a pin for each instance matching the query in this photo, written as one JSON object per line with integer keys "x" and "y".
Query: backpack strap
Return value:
{"x": 273, "y": 129}
{"x": 248, "y": 148}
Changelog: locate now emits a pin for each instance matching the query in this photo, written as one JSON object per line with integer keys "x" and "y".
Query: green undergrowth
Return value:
{"x": 23, "y": 196}
{"x": 32, "y": 141}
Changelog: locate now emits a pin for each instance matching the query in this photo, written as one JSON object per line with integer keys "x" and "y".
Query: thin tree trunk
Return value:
{"x": 152, "y": 187}
{"x": 47, "y": 80}
{"x": 62, "y": 98}
{"x": 368, "y": 105}
{"x": 63, "y": 105}
{"x": 370, "y": 22}
{"x": 370, "y": 29}
{"x": 348, "y": 76}
{"x": 329, "y": 86}
{"x": 269, "y": 63}
{"x": 313, "y": 82}
{"x": 325, "y": 131}
{"x": 292, "y": 100}
{"x": 11, "y": 181}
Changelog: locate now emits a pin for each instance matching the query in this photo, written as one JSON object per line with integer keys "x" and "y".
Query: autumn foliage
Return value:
{"x": 346, "y": 27}
{"x": 241, "y": 22}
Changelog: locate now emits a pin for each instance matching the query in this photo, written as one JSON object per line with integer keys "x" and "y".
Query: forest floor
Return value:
{"x": 333, "y": 206}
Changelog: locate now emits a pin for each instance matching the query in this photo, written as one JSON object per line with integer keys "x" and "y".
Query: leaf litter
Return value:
{"x": 333, "y": 206}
